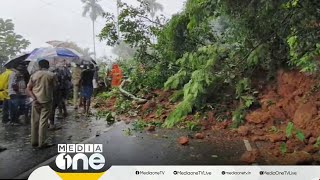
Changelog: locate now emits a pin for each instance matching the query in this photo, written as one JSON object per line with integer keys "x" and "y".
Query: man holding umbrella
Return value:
{"x": 40, "y": 89}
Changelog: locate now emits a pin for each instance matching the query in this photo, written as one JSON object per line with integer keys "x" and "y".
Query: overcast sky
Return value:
{"x": 40, "y": 21}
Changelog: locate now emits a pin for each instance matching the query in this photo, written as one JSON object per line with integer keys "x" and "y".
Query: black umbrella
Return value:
{"x": 12, "y": 63}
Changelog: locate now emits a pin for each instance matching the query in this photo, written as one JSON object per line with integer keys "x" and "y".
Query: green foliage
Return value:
{"x": 176, "y": 96}
{"x": 283, "y": 148}
{"x": 107, "y": 115}
{"x": 243, "y": 92}
{"x": 159, "y": 111}
{"x": 139, "y": 125}
{"x": 122, "y": 105}
{"x": 192, "y": 126}
{"x": 242, "y": 87}
{"x": 248, "y": 101}
{"x": 11, "y": 43}
{"x": 238, "y": 117}
{"x": 203, "y": 77}
{"x": 107, "y": 95}
{"x": 289, "y": 129}
{"x": 216, "y": 45}
{"x": 274, "y": 129}
{"x": 300, "y": 136}
{"x": 304, "y": 61}
{"x": 104, "y": 95}
{"x": 317, "y": 144}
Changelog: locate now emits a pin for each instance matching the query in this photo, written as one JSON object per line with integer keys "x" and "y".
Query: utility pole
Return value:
{"x": 118, "y": 14}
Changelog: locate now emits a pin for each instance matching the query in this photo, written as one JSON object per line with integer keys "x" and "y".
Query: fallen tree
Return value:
{"x": 129, "y": 95}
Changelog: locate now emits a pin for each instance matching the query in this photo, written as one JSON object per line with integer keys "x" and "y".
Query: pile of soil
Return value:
{"x": 295, "y": 98}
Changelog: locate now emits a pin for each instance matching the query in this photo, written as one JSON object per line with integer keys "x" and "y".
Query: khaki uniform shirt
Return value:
{"x": 43, "y": 84}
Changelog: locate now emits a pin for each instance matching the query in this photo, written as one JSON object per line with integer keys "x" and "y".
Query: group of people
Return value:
{"x": 40, "y": 94}
{"x": 13, "y": 84}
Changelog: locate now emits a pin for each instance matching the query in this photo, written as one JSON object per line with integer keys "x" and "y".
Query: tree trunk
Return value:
{"x": 129, "y": 95}
{"x": 118, "y": 13}
{"x": 94, "y": 41}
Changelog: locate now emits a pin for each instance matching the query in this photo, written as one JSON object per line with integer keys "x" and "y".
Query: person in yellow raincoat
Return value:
{"x": 4, "y": 96}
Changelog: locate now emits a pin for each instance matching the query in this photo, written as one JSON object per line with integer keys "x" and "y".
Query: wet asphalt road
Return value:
{"x": 20, "y": 156}
{"x": 120, "y": 147}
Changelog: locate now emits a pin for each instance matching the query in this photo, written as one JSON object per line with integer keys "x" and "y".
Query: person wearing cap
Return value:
{"x": 40, "y": 89}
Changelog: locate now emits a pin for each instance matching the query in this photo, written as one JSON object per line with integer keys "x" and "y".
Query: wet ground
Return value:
{"x": 20, "y": 156}
{"x": 122, "y": 146}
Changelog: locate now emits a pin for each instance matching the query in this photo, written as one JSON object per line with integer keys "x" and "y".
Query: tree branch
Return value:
{"x": 144, "y": 17}
{"x": 289, "y": 15}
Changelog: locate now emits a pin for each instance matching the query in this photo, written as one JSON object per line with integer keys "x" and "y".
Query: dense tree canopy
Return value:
{"x": 10, "y": 43}
{"x": 214, "y": 45}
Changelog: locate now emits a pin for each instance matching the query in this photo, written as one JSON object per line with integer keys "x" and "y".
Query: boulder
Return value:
{"x": 199, "y": 136}
{"x": 183, "y": 140}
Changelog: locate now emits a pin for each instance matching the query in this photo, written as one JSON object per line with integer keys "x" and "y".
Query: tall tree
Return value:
{"x": 10, "y": 43}
{"x": 94, "y": 10}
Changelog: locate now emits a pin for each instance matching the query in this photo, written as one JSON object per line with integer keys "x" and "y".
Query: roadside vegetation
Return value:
{"x": 248, "y": 67}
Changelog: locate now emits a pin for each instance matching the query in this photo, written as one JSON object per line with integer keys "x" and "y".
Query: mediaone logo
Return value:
{"x": 88, "y": 156}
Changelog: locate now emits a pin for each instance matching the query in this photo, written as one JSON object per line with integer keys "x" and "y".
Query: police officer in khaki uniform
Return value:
{"x": 40, "y": 89}
{"x": 76, "y": 76}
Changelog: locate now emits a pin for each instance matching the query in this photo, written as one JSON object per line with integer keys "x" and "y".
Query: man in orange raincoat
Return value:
{"x": 116, "y": 75}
